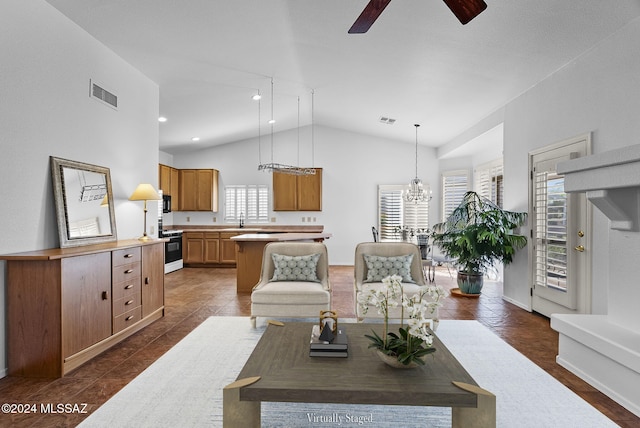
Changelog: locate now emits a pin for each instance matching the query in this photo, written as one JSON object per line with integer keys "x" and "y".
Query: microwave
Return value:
{"x": 166, "y": 203}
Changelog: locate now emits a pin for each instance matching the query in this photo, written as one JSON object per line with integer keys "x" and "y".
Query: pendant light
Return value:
{"x": 278, "y": 167}
{"x": 416, "y": 191}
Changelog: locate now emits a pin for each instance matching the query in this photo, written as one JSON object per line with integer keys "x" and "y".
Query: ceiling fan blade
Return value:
{"x": 466, "y": 10}
{"x": 368, "y": 16}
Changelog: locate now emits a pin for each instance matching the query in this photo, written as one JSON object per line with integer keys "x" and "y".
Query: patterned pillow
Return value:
{"x": 295, "y": 268}
{"x": 379, "y": 267}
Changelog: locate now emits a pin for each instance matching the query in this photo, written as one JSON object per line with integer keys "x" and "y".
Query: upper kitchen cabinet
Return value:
{"x": 169, "y": 181}
{"x": 297, "y": 192}
{"x": 198, "y": 190}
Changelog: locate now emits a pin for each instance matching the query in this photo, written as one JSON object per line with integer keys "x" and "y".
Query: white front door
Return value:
{"x": 560, "y": 279}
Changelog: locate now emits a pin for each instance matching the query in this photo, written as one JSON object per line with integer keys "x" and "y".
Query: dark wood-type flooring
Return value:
{"x": 194, "y": 294}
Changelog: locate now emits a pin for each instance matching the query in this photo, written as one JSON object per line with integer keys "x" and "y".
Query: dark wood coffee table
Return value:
{"x": 281, "y": 370}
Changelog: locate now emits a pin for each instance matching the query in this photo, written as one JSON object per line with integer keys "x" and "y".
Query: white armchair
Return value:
{"x": 298, "y": 287}
{"x": 404, "y": 253}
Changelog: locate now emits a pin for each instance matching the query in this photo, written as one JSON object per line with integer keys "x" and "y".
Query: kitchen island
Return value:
{"x": 211, "y": 246}
{"x": 249, "y": 249}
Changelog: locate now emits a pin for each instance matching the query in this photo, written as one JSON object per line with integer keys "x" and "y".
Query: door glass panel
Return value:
{"x": 550, "y": 231}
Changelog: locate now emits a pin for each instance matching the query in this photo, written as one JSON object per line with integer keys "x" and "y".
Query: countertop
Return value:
{"x": 280, "y": 237}
{"x": 253, "y": 228}
{"x": 61, "y": 253}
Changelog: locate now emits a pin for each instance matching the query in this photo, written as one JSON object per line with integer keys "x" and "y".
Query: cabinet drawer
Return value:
{"x": 125, "y": 304}
{"x": 125, "y": 272}
{"x": 126, "y": 288}
{"x": 128, "y": 318}
{"x": 126, "y": 256}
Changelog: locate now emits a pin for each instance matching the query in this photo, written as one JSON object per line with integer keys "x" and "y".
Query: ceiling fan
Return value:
{"x": 464, "y": 10}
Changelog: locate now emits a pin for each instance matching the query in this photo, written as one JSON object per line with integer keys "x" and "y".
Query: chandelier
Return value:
{"x": 416, "y": 192}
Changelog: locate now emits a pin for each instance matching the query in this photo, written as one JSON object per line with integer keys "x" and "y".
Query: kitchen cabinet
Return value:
{"x": 227, "y": 248}
{"x": 211, "y": 247}
{"x": 175, "y": 188}
{"x": 193, "y": 245}
{"x": 168, "y": 178}
{"x": 164, "y": 178}
{"x": 65, "y": 306}
{"x": 198, "y": 190}
{"x": 201, "y": 247}
{"x": 297, "y": 192}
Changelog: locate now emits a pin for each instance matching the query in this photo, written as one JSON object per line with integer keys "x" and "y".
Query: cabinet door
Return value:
{"x": 188, "y": 190}
{"x": 175, "y": 189}
{"x": 212, "y": 247}
{"x": 227, "y": 248}
{"x": 193, "y": 245}
{"x": 152, "y": 278}
{"x": 309, "y": 191}
{"x": 86, "y": 301}
{"x": 204, "y": 192}
{"x": 284, "y": 192}
{"x": 164, "y": 173}
{"x": 198, "y": 190}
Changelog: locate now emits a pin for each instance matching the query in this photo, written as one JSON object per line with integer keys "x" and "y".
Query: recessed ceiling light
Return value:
{"x": 256, "y": 97}
{"x": 195, "y": 139}
{"x": 272, "y": 121}
{"x": 162, "y": 119}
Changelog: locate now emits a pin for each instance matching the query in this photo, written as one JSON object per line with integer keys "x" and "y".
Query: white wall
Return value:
{"x": 353, "y": 166}
{"x": 598, "y": 92}
{"x": 45, "y": 110}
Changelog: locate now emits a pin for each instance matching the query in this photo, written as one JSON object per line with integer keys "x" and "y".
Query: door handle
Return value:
{"x": 579, "y": 248}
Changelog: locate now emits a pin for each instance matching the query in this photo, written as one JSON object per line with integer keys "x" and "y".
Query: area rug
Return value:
{"x": 184, "y": 387}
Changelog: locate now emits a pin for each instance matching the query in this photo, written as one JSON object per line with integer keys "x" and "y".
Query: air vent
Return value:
{"x": 101, "y": 94}
{"x": 387, "y": 120}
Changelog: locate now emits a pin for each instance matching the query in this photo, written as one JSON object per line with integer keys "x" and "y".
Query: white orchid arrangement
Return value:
{"x": 416, "y": 340}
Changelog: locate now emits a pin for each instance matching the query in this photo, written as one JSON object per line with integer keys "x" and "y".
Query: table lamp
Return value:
{"x": 145, "y": 192}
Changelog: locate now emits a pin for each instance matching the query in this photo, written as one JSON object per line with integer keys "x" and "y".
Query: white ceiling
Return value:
{"x": 417, "y": 63}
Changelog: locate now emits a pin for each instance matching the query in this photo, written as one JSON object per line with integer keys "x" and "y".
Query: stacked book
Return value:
{"x": 337, "y": 347}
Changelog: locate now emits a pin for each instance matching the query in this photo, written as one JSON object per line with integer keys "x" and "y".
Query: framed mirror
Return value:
{"x": 84, "y": 203}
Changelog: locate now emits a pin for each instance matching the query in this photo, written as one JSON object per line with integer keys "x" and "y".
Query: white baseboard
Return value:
{"x": 515, "y": 302}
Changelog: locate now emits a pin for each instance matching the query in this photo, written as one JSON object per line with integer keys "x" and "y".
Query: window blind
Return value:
{"x": 550, "y": 232}
{"x": 488, "y": 181}
{"x": 394, "y": 211}
{"x": 454, "y": 185}
{"x": 250, "y": 201}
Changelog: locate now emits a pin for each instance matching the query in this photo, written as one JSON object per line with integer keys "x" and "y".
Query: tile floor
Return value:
{"x": 194, "y": 294}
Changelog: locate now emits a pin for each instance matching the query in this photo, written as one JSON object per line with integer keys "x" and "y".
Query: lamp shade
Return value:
{"x": 144, "y": 192}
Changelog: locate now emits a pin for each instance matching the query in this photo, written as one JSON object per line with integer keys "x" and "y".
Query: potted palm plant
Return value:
{"x": 477, "y": 234}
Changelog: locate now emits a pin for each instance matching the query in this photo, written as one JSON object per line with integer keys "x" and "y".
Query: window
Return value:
{"x": 249, "y": 202}
{"x": 489, "y": 181}
{"x": 454, "y": 185}
{"x": 394, "y": 211}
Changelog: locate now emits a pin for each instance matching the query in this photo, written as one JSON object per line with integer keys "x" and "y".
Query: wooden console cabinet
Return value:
{"x": 65, "y": 306}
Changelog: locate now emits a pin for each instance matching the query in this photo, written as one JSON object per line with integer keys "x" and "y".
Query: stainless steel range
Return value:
{"x": 173, "y": 247}
{"x": 172, "y": 250}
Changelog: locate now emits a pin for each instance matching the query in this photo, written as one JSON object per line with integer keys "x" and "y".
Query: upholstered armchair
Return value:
{"x": 376, "y": 260}
{"x": 294, "y": 282}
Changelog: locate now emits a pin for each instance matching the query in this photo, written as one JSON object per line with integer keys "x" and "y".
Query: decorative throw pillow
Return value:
{"x": 295, "y": 268}
{"x": 379, "y": 267}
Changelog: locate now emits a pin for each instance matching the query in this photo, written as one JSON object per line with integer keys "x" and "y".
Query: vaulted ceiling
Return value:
{"x": 417, "y": 63}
